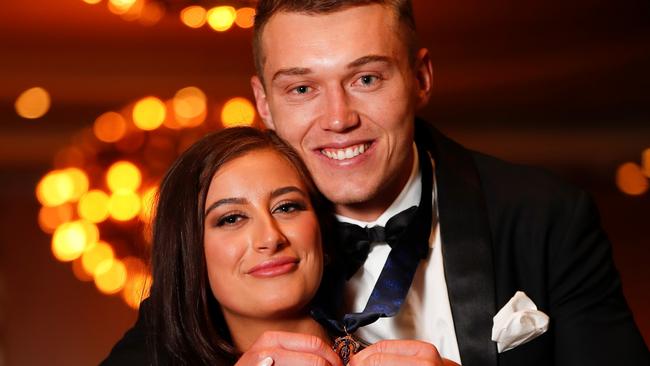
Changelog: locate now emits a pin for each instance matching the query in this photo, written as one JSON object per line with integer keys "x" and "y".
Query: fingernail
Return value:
{"x": 267, "y": 361}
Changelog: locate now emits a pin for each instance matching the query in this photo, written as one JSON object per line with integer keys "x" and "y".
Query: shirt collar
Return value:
{"x": 408, "y": 197}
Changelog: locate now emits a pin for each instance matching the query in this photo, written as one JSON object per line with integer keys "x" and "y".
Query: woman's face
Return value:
{"x": 262, "y": 238}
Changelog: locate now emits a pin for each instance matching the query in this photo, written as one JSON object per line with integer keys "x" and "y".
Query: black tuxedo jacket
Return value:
{"x": 507, "y": 228}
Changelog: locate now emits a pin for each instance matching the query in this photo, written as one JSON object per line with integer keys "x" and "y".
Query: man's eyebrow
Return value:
{"x": 368, "y": 59}
{"x": 291, "y": 72}
{"x": 285, "y": 190}
{"x": 225, "y": 201}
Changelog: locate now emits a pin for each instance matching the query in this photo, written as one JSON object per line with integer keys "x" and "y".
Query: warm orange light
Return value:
{"x": 245, "y": 17}
{"x": 79, "y": 180}
{"x": 190, "y": 105}
{"x": 149, "y": 113}
{"x": 645, "y": 161}
{"x": 221, "y": 18}
{"x": 92, "y": 2}
{"x": 79, "y": 272}
{"x": 120, "y": 6}
{"x": 55, "y": 188}
{"x": 33, "y": 103}
{"x": 193, "y": 16}
{"x": 71, "y": 239}
{"x": 134, "y": 11}
{"x": 124, "y": 205}
{"x": 110, "y": 276}
{"x": 238, "y": 112}
{"x": 123, "y": 176}
{"x": 630, "y": 179}
{"x": 93, "y": 206}
{"x": 148, "y": 202}
{"x": 151, "y": 14}
{"x": 49, "y": 218}
{"x": 109, "y": 127}
{"x": 94, "y": 255}
{"x": 136, "y": 289}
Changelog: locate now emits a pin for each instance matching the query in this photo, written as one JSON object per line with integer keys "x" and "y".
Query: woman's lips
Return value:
{"x": 274, "y": 267}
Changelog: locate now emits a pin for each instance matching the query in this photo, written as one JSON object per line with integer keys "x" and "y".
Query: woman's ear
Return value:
{"x": 261, "y": 102}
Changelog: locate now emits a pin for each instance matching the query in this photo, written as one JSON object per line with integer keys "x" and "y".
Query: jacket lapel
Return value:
{"x": 466, "y": 246}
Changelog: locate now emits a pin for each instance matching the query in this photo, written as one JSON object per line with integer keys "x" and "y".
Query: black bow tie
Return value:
{"x": 355, "y": 240}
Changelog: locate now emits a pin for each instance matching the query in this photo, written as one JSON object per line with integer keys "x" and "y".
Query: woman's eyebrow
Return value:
{"x": 224, "y": 201}
{"x": 285, "y": 190}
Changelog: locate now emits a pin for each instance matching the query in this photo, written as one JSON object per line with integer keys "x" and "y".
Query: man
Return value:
{"x": 341, "y": 82}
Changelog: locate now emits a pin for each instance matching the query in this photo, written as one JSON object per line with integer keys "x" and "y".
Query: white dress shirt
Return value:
{"x": 425, "y": 314}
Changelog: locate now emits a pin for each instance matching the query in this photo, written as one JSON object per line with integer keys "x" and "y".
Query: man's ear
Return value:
{"x": 423, "y": 77}
{"x": 261, "y": 102}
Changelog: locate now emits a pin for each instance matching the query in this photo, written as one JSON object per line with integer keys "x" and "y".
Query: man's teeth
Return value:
{"x": 347, "y": 153}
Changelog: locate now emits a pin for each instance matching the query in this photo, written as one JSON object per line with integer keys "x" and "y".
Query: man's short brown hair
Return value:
{"x": 403, "y": 9}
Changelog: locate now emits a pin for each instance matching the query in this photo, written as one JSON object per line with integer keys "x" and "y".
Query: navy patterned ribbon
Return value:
{"x": 408, "y": 235}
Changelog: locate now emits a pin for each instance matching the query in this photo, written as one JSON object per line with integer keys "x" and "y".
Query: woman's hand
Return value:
{"x": 289, "y": 349}
{"x": 398, "y": 353}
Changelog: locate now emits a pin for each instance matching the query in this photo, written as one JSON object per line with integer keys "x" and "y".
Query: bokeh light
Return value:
{"x": 55, "y": 188}
{"x": 645, "y": 162}
{"x": 79, "y": 272}
{"x": 245, "y": 17}
{"x": 631, "y": 180}
{"x": 123, "y": 176}
{"x": 71, "y": 239}
{"x": 110, "y": 276}
{"x": 49, "y": 218}
{"x": 120, "y": 6}
{"x": 124, "y": 205}
{"x": 190, "y": 106}
{"x": 149, "y": 113}
{"x": 151, "y": 14}
{"x": 148, "y": 204}
{"x": 94, "y": 255}
{"x": 93, "y": 206}
{"x": 79, "y": 180}
{"x": 193, "y": 16}
{"x": 221, "y": 18}
{"x": 33, "y": 103}
{"x": 109, "y": 127}
{"x": 92, "y": 2}
{"x": 238, "y": 112}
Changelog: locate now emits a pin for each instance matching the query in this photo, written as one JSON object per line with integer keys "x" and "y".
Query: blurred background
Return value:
{"x": 97, "y": 97}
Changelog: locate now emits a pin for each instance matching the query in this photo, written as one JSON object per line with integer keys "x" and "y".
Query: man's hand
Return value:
{"x": 289, "y": 349}
{"x": 398, "y": 353}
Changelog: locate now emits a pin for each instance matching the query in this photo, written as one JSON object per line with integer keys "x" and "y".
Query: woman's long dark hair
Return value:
{"x": 187, "y": 326}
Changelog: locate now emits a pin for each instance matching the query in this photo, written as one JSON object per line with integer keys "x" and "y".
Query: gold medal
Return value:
{"x": 346, "y": 347}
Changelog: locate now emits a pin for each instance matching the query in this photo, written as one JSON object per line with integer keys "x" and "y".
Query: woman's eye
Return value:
{"x": 230, "y": 220}
{"x": 290, "y": 207}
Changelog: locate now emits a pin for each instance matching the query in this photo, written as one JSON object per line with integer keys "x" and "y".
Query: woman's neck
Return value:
{"x": 245, "y": 331}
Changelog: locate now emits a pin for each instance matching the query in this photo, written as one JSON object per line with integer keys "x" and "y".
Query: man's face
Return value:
{"x": 340, "y": 89}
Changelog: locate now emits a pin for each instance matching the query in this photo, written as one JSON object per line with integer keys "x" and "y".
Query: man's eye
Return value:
{"x": 303, "y": 89}
{"x": 368, "y": 79}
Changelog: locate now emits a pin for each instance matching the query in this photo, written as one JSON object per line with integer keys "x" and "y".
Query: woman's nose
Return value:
{"x": 269, "y": 236}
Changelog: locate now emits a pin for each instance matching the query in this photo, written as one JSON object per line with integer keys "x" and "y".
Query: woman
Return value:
{"x": 237, "y": 248}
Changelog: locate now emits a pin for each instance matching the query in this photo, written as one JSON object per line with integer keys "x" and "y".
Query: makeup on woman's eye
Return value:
{"x": 231, "y": 219}
{"x": 290, "y": 206}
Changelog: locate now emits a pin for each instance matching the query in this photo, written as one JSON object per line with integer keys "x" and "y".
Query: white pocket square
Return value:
{"x": 518, "y": 322}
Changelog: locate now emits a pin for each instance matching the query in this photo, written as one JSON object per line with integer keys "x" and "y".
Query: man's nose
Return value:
{"x": 340, "y": 115}
{"x": 268, "y": 236}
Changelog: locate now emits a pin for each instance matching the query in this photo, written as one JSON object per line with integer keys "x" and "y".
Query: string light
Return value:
{"x": 220, "y": 18}
{"x": 98, "y": 189}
